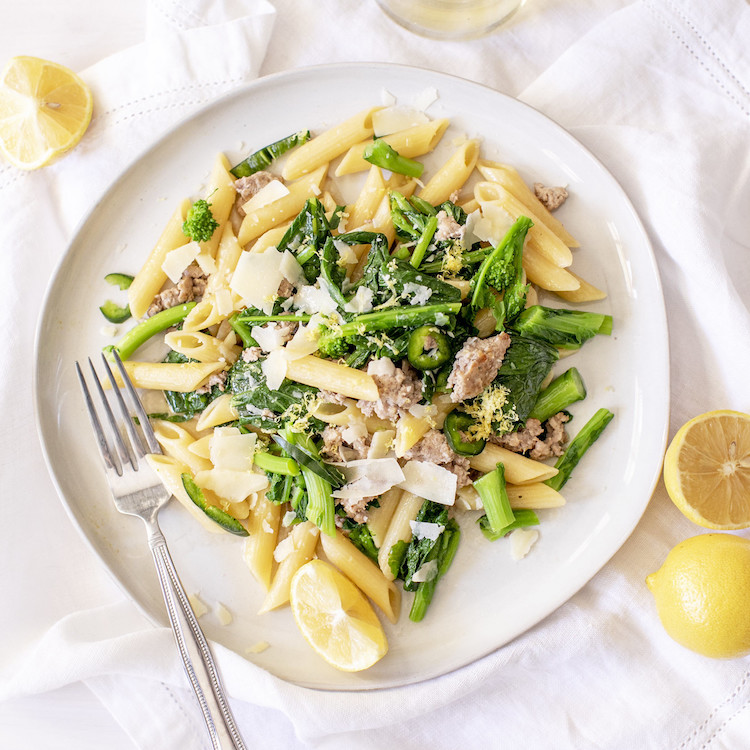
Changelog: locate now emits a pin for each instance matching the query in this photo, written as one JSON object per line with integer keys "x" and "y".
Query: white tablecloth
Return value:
{"x": 660, "y": 92}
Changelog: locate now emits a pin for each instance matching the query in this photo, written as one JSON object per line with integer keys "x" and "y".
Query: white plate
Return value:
{"x": 487, "y": 599}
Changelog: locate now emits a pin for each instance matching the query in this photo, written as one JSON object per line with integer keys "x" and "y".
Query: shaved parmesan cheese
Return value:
{"x": 231, "y": 449}
{"x": 382, "y": 366}
{"x": 391, "y": 119}
{"x": 267, "y": 194}
{"x": 223, "y": 300}
{"x": 274, "y": 368}
{"x": 354, "y": 432}
{"x": 257, "y": 277}
{"x": 206, "y": 262}
{"x": 521, "y": 541}
{"x": 430, "y": 481}
{"x": 177, "y": 260}
{"x": 387, "y": 99}
{"x": 420, "y": 294}
{"x": 110, "y": 331}
{"x": 292, "y": 270}
{"x": 425, "y": 98}
{"x": 232, "y": 486}
{"x": 347, "y": 256}
{"x": 381, "y": 443}
{"x": 288, "y": 518}
{"x": 258, "y": 648}
{"x": 361, "y": 302}
{"x": 225, "y": 616}
{"x": 426, "y": 572}
{"x": 312, "y": 299}
{"x": 424, "y": 411}
{"x": 304, "y": 341}
{"x": 426, "y": 530}
{"x": 367, "y": 477}
{"x": 198, "y": 607}
{"x": 270, "y": 336}
{"x": 493, "y": 224}
{"x": 283, "y": 549}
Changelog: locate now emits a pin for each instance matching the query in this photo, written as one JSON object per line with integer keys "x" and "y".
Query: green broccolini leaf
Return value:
{"x": 306, "y": 237}
{"x": 361, "y": 538}
{"x": 564, "y": 329}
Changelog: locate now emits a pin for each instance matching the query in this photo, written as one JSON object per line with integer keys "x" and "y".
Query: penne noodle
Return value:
{"x": 183, "y": 377}
{"x": 534, "y": 496}
{"x": 330, "y": 144}
{"x": 410, "y": 142}
{"x": 545, "y": 241}
{"x": 227, "y": 255}
{"x": 300, "y": 549}
{"x": 263, "y": 529}
{"x": 370, "y": 197}
{"x": 332, "y": 376}
{"x": 379, "y": 517}
{"x": 363, "y": 572}
{"x": 170, "y": 471}
{"x": 272, "y": 214}
{"x": 202, "y": 346}
{"x": 450, "y": 178}
{"x": 270, "y": 238}
{"x": 585, "y": 293}
{"x": 518, "y": 468}
{"x": 545, "y": 274}
{"x": 409, "y": 431}
{"x": 175, "y": 442}
{"x": 218, "y": 412}
{"x": 509, "y": 178}
{"x": 399, "y": 529}
{"x": 220, "y": 195}
{"x": 150, "y": 279}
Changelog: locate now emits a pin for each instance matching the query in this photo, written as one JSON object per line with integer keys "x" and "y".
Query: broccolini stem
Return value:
{"x": 276, "y": 464}
{"x": 398, "y": 317}
{"x": 424, "y": 241}
{"x": 563, "y": 391}
{"x": 382, "y": 155}
{"x": 494, "y": 496}
{"x": 589, "y": 433}
{"x": 521, "y": 519}
{"x": 138, "y": 336}
{"x": 444, "y": 552}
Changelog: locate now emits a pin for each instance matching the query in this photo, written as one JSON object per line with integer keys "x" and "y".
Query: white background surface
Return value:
{"x": 659, "y": 146}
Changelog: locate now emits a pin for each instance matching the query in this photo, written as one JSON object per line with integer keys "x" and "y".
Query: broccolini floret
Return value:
{"x": 199, "y": 223}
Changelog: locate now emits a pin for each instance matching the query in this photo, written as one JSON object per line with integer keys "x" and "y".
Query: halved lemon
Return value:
{"x": 335, "y": 617}
{"x": 707, "y": 470}
{"x": 45, "y": 109}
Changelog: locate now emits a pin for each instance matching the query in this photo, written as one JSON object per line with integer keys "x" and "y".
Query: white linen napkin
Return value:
{"x": 660, "y": 92}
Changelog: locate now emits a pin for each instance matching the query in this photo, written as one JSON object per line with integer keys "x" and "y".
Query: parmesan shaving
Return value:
{"x": 430, "y": 481}
{"x": 177, "y": 260}
{"x": 267, "y": 194}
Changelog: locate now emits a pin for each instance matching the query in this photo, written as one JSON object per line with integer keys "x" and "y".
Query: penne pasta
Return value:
{"x": 330, "y": 144}
{"x": 218, "y": 412}
{"x": 332, "y": 376}
{"x": 275, "y": 213}
{"x": 585, "y": 293}
{"x": 370, "y": 197}
{"x": 363, "y": 573}
{"x": 220, "y": 195}
{"x": 202, "y": 346}
{"x": 175, "y": 442}
{"x": 399, "y": 529}
{"x": 452, "y": 176}
{"x": 299, "y": 549}
{"x": 534, "y": 496}
{"x": 410, "y": 142}
{"x": 149, "y": 280}
{"x": 509, "y": 178}
{"x": 518, "y": 468}
{"x": 379, "y": 517}
{"x": 183, "y": 377}
{"x": 262, "y": 527}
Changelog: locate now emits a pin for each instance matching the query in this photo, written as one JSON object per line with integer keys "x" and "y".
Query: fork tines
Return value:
{"x": 140, "y": 442}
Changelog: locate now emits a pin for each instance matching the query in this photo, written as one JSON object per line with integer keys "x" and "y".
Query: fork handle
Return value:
{"x": 196, "y": 656}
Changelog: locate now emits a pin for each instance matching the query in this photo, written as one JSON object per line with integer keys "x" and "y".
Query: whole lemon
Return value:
{"x": 702, "y": 594}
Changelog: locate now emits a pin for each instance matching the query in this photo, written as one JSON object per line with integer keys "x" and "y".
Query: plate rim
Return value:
{"x": 301, "y": 73}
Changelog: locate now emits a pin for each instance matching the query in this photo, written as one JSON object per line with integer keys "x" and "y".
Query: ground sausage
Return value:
{"x": 550, "y": 197}
{"x": 192, "y": 285}
{"x": 399, "y": 388}
{"x": 476, "y": 365}
{"x": 536, "y": 440}
{"x": 247, "y": 187}
{"x": 434, "y": 447}
{"x": 447, "y": 227}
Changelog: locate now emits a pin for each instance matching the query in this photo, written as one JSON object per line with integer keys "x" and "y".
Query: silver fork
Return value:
{"x": 138, "y": 492}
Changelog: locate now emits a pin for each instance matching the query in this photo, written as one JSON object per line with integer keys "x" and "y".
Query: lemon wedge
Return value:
{"x": 702, "y": 594}
{"x": 45, "y": 109}
{"x": 335, "y": 617}
{"x": 707, "y": 470}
